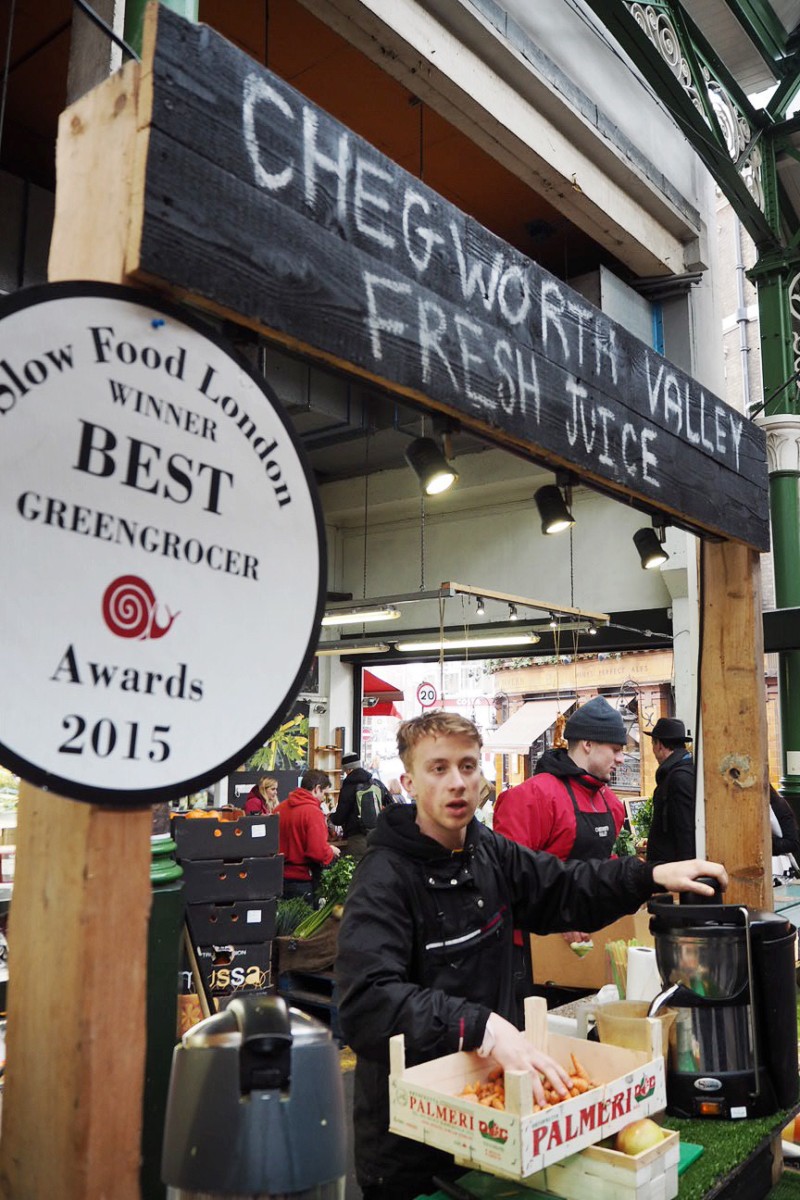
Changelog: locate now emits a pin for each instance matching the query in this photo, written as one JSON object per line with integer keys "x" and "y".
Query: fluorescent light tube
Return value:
{"x": 352, "y": 616}
{"x": 476, "y": 643}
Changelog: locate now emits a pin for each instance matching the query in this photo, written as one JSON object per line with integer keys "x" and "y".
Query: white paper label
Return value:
{"x": 254, "y": 916}
{"x": 793, "y": 762}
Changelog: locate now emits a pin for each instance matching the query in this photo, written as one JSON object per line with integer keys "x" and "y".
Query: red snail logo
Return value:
{"x": 130, "y": 609}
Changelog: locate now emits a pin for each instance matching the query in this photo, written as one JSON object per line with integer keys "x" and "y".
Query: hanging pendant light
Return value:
{"x": 430, "y": 465}
{"x": 553, "y": 510}
{"x": 651, "y": 553}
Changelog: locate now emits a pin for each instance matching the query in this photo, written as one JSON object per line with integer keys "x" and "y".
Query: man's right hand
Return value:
{"x": 514, "y": 1052}
{"x": 683, "y": 876}
{"x": 336, "y": 851}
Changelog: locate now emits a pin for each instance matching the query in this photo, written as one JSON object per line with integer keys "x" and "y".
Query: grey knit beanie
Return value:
{"x": 596, "y": 721}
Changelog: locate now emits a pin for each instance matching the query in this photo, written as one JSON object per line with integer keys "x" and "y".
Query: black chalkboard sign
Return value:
{"x": 260, "y": 204}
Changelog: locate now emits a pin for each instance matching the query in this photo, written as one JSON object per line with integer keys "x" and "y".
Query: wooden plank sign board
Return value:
{"x": 263, "y": 207}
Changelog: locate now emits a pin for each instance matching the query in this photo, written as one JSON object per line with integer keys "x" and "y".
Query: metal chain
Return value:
{"x": 7, "y": 68}
{"x": 97, "y": 20}
{"x": 422, "y": 542}
{"x": 571, "y": 572}
{"x": 366, "y": 508}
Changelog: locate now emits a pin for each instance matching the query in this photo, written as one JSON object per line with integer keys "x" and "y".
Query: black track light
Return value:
{"x": 432, "y": 468}
{"x": 651, "y": 553}
{"x": 553, "y": 509}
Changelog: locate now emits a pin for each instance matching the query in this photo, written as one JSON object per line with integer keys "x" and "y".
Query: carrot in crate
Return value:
{"x": 492, "y": 1093}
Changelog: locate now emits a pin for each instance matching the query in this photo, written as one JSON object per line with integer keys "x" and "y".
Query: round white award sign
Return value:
{"x": 161, "y": 543}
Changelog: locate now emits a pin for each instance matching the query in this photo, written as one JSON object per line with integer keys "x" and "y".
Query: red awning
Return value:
{"x": 381, "y": 708}
{"x": 379, "y": 689}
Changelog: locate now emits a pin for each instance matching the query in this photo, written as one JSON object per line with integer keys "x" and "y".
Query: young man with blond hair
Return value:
{"x": 425, "y": 946}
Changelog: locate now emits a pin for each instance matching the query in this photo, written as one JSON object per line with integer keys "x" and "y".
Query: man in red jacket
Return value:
{"x": 566, "y": 807}
{"x": 303, "y": 835}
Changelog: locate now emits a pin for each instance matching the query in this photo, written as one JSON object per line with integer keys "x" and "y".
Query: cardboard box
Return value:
{"x": 554, "y": 962}
{"x": 228, "y": 969}
{"x": 425, "y": 1104}
{"x": 236, "y": 924}
{"x": 604, "y": 1174}
{"x": 190, "y": 1011}
{"x": 247, "y": 879}
{"x": 209, "y": 838}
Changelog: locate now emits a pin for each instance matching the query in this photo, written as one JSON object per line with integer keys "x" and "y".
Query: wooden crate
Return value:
{"x": 604, "y": 1174}
{"x": 555, "y": 963}
{"x": 425, "y": 1104}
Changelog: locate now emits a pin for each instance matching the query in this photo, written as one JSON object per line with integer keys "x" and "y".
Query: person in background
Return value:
{"x": 303, "y": 836}
{"x": 672, "y": 830}
{"x": 396, "y": 792}
{"x": 262, "y": 799}
{"x": 361, "y": 798}
{"x": 487, "y": 792}
{"x": 425, "y": 943}
{"x": 567, "y": 807}
{"x": 785, "y": 839}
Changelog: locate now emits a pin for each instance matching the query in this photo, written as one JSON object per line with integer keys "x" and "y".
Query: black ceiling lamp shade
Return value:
{"x": 651, "y": 553}
{"x": 430, "y": 465}
{"x": 553, "y": 510}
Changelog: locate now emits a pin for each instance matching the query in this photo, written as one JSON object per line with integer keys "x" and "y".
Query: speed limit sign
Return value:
{"x": 427, "y": 695}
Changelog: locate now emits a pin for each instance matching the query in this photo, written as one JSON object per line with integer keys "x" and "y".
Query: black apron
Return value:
{"x": 595, "y": 832}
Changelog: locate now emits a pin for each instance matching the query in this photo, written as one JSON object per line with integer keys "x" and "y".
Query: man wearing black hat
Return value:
{"x": 566, "y": 807}
{"x": 361, "y": 798}
{"x": 672, "y": 830}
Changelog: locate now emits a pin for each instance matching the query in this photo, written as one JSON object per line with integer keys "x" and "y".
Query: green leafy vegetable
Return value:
{"x": 290, "y": 914}
{"x": 334, "y": 884}
{"x": 335, "y": 879}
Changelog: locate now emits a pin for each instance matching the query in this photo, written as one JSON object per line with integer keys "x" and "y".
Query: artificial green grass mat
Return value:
{"x": 787, "y": 1187}
{"x": 726, "y": 1144}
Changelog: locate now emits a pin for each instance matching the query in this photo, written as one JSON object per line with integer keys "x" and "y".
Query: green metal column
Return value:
{"x": 134, "y": 17}
{"x": 779, "y": 299}
{"x": 163, "y": 967}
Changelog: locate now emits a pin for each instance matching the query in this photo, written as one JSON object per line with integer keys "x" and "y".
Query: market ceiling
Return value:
{"x": 302, "y": 49}
{"x": 706, "y": 60}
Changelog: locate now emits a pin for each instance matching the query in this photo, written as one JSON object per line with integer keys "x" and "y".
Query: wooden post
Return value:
{"x": 733, "y": 705}
{"x": 72, "y": 1112}
{"x": 72, "y": 1105}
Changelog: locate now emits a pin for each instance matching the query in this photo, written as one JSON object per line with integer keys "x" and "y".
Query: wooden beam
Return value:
{"x": 72, "y": 1104}
{"x": 72, "y": 1112}
{"x": 469, "y": 589}
{"x": 733, "y": 704}
{"x": 97, "y": 140}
